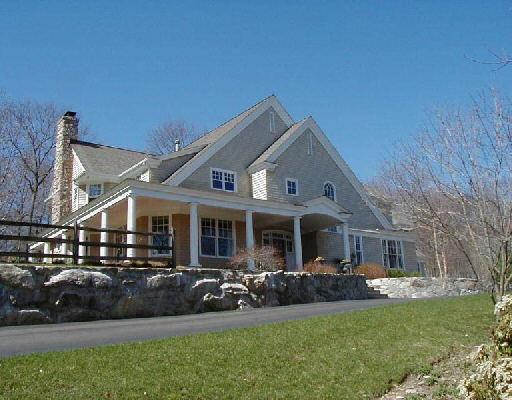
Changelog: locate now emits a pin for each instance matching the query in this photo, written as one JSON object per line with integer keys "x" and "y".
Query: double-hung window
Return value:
{"x": 392, "y": 255}
{"x": 223, "y": 180}
{"x": 217, "y": 238}
{"x": 358, "y": 249}
{"x": 292, "y": 187}
{"x": 160, "y": 237}
{"x": 95, "y": 190}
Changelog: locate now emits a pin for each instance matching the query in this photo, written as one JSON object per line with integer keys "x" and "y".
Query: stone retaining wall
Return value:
{"x": 44, "y": 294}
{"x": 426, "y": 287}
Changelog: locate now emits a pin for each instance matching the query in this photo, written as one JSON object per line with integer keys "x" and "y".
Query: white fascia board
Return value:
{"x": 204, "y": 155}
{"x": 385, "y": 234}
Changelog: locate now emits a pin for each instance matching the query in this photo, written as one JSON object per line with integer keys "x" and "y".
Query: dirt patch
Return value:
{"x": 438, "y": 381}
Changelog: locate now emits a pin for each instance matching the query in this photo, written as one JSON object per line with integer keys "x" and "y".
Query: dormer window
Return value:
{"x": 223, "y": 180}
{"x": 95, "y": 190}
{"x": 330, "y": 191}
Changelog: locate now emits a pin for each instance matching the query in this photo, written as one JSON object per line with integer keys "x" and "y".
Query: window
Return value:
{"x": 392, "y": 253}
{"x": 310, "y": 143}
{"x": 333, "y": 229}
{"x": 223, "y": 180}
{"x": 272, "y": 121}
{"x": 329, "y": 191}
{"x": 358, "y": 249}
{"x": 95, "y": 190}
{"x": 160, "y": 229}
{"x": 216, "y": 238}
{"x": 292, "y": 187}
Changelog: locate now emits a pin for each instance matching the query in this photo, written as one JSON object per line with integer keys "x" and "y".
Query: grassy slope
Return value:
{"x": 346, "y": 356}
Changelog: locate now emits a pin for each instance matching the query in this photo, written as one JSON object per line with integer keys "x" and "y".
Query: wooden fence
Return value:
{"x": 74, "y": 244}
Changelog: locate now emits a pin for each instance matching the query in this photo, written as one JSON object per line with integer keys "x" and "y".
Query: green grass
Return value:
{"x": 347, "y": 356}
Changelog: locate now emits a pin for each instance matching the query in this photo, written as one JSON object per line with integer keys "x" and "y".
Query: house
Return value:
{"x": 258, "y": 179}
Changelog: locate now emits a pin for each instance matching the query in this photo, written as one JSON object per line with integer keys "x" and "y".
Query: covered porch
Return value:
{"x": 209, "y": 228}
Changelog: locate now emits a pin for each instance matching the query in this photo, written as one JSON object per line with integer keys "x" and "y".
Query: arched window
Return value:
{"x": 329, "y": 191}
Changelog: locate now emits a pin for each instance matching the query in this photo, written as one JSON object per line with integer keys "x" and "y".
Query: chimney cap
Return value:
{"x": 70, "y": 114}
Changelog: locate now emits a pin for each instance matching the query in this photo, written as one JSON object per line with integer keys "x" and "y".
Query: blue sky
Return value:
{"x": 367, "y": 71}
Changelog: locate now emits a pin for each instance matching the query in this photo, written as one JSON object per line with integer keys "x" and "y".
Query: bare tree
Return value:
{"x": 455, "y": 179}
{"x": 498, "y": 59}
{"x": 27, "y": 147}
{"x": 161, "y": 140}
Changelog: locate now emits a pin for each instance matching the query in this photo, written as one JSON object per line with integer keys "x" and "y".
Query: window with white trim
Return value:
{"x": 160, "y": 237}
{"x": 217, "y": 239}
{"x": 310, "y": 143}
{"x": 223, "y": 180}
{"x": 330, "y": 191}
{"x": 272, "y": 121}
{"x": 292, "y": 187}
{"x": 333, "y": 229}
{"x": 392, "y": 255}
{"x": 95, "y": 190}
{"x": 358, "y": 249}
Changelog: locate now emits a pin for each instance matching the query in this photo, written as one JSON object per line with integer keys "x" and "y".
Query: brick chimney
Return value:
{"x": 67, "y": 129}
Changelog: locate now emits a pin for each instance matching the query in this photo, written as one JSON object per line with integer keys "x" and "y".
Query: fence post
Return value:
{"x": 75, "y": 243}
{"x": 173, "y": 254}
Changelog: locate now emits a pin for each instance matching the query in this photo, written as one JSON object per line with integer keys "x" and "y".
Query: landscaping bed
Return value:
{"x": 358, "y": 355}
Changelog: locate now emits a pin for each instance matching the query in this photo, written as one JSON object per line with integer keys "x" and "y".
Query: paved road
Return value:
{"x": 41, "y": 338}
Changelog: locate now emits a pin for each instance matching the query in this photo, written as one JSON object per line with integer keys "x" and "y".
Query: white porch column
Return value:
{"x": 131, "y": 224}
{"x": 82, "y": 250}
{"x": 104, "y": 235}
{"x": 297, "y": 242}
{"x": 249, "y": 238}
{"x": 346, "y": 243}
{"x": 46, "y": 250}
{"x": 194, "y": 236}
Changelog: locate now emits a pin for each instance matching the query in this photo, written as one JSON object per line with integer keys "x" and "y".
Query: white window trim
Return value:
{"x": 224, "y": 171}
{"x": 233, "y": 224}
{"x": 333, "y": 186}
{"x": 362, "y": 247}
{"x": 401, "y": 251}
{"x": 150, "y": 230}
{"x": 87, "y": 186}
{"x": 310, "y": 143}
{"x": 296, "y": 186}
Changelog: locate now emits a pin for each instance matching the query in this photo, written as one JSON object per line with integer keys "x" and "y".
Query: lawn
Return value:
{"x": 346, "y": 356}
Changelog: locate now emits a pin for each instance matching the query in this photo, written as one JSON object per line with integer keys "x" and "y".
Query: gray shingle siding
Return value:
{"x": 312, "y": 171}
{"x": 238, "y": 154}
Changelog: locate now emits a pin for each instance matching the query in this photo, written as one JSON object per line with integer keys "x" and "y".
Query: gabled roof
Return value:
{"x": 270, "y": 156}
{"x": 220, "y": 136}
{"x": 278, "y": 144}
{"x": 106, "y": 160}
{"x": 222, "y": 129}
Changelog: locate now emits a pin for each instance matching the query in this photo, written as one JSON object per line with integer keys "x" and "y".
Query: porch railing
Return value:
{"x": 74, "y": 243}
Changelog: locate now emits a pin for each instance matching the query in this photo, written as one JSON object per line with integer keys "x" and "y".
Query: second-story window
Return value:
{"x": 329, "y": 191}
{"x": 95, "y": 190}
{"x": 223, "y": 180}
{"x": 292, "y": 187}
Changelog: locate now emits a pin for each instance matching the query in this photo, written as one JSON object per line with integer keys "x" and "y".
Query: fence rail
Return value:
{"x": 79, "y": 248}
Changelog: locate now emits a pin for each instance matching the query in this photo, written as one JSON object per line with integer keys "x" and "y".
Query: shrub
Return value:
{"x": 371, "y": 271}
{"x": 266, "y": 258}
{"x": 493, "y": 376}
{"x": 320, "y": 267}
{"x": 398, "y": 273}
